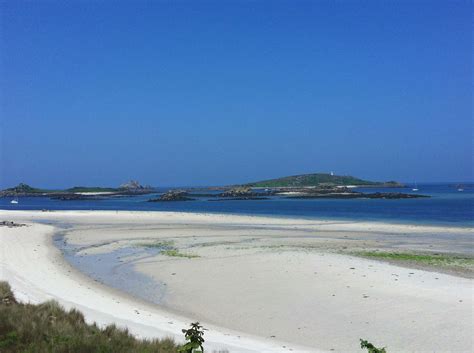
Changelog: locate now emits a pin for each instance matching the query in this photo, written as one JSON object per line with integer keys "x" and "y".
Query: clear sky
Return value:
{"x": 200, "y": 92}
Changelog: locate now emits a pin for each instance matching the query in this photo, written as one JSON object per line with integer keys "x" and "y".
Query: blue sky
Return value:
{"x": 201, "y": 92}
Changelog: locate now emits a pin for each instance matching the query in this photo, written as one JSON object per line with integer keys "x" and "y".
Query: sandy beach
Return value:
{"x": 259, "y": 284}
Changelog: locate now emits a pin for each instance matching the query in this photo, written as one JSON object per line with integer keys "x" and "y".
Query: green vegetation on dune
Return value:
{"x": 48, "y": 328}
{"x": 312, "y": 180}
{"x": 432, "y": 259}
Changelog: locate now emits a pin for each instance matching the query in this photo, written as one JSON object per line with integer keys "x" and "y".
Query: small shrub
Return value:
{"x": 370, "y": 347}
{"x": 194, "y": 337}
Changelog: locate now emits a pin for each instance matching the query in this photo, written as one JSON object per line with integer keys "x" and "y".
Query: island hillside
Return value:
{"x": 78, "y": 192}
{"x": 319, "y": 179}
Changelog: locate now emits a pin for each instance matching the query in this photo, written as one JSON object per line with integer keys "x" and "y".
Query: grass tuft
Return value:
{"x": 424, "y": 258}
{"x": 177, "y": 253}
{"x": 48, "y": 328}
{"x": 158, "y": 244}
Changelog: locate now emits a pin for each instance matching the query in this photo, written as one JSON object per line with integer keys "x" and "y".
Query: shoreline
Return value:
{"x": 426, "y": 225}
{"x": 105, "y": 305}
{"x": 197, "y": 222}
{"x": 363, "y": 219}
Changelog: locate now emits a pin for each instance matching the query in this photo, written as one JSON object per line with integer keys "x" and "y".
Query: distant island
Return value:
{"x": 78, "y": 192}
{"x": 305, "y": 186}
{"x": 319, "y": 179}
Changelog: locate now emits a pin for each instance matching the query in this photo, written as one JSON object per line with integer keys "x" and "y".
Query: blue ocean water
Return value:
{"x": 446, "y": 206}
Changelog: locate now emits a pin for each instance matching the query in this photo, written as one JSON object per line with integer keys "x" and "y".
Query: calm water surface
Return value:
{"x": 446, "y": 206}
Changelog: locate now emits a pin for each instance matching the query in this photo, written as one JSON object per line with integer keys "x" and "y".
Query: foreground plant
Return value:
{"x": 194, "y": 337}
{"x": 48, "y": 328}
{"x": 370, "y": 347}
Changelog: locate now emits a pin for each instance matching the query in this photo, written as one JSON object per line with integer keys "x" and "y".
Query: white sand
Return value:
{"x": 262, "y": 276}
{"x": 92, "y": 193}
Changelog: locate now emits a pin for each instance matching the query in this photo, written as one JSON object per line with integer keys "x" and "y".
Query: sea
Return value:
{"x": 445, "y": 206}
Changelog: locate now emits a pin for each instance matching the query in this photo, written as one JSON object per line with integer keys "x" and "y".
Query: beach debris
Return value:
{"x": 6, "y": 294}
{"x": 370, "y": 347}
{"x": 11, "y": 224}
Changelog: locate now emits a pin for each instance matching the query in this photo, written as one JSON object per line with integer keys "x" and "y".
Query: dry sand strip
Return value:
{"x": 37, "y": 272}
{"x": 316, "y": 299}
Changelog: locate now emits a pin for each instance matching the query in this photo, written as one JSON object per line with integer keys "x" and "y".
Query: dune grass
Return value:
{"x": 177, "y": 253}
{"x": 48, "y": 328}
{"x": 431, "y": 259}
{"x": 157, "y": 244}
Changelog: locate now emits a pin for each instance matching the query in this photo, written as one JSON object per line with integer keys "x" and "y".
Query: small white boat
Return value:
{"x": 14, "y": 201}
{"x": 415, "y": 188}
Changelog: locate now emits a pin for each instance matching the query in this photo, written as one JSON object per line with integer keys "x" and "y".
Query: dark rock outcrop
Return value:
{"x": 72, "y": 197}
{"x": 357, "y": 195}
{"x": 393, "y": 195}
{"x": 11, "y": 224}
{"x": 173, "y": 195}
{"x": 243, "y": 193}
{"x": 240, "y": 198}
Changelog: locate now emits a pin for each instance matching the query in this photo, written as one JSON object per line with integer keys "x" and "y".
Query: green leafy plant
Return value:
{"x": 194, "y": 337}
{"x": 370, "y": 347}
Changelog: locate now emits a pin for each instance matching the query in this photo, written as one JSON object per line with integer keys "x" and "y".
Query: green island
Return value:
{"x": 304, "y": 186}
{"x": 318, "y": 179}
{"x": 78, "y": 192}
